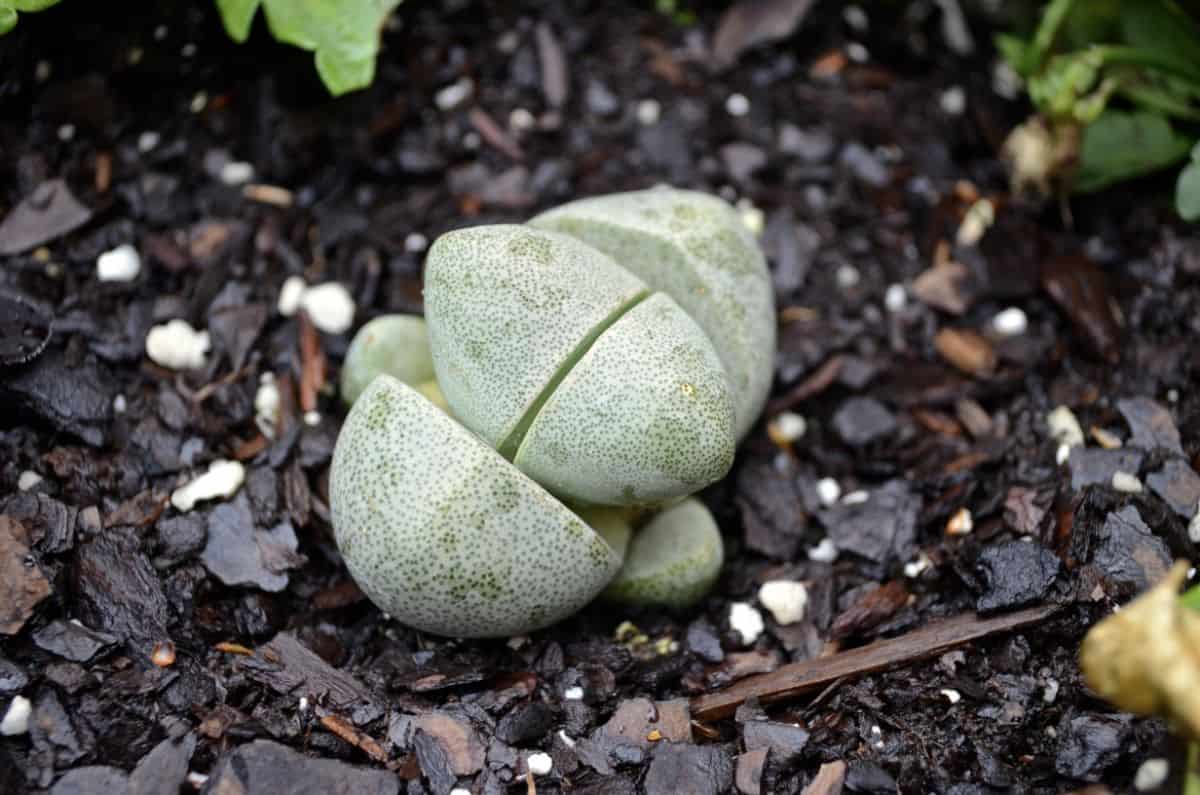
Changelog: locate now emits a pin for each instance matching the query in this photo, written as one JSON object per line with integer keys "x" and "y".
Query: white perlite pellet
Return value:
{"x": 785, "y": 600}
{"x": 746, "y": 621}
{"x": 16, "y": 719}
{"x": 222, "y": 479}
{"x": 177, "y": 346}
{"x": 121, "y": 264}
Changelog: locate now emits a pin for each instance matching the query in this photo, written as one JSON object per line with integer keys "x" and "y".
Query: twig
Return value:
{"x": 364, "y": 742}
{"x": 803, "y": 677}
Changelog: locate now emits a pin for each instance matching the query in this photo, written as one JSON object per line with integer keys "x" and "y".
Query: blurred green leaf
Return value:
{"x": 237, "y": 16}
{"x": 344, "y": 34}
{"x": 1191, "y": 597}
{"x": 1120, "y": 145}
{"x": 1017, "y": 53}
{"x": 9, "y": 9}
{"x": 1091, "y": 22}
{"x": 1161, "y": 27}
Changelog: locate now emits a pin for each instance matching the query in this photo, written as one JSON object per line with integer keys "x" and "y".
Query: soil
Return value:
{"x": 225, "y": 649}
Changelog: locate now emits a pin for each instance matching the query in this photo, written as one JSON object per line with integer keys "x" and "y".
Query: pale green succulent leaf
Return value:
{"x": 445, "y": 535}
{"x": 695, "y": 248}
{"x": 673, "y": 561}
{"x": 397, "y": 345}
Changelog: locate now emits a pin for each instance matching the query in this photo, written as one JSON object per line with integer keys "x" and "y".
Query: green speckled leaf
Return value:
{"x": 673, "y": 561}
{"x": 447, "y": 536}
{"x": 645, "y": 415}
{"x": 507, "y": 307}
{"x": 394, "y": 344}
{"x": 695, "y": 248}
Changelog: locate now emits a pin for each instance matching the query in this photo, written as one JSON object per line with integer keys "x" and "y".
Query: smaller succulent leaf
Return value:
{"x": 397, "y": 345}
{"x": 8, "y": 20}
{"x": 1163, "y": 28}
{"x": 673, "y": 561}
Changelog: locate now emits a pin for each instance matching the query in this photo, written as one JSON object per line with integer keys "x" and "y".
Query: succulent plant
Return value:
{"x": 611, "y": 353}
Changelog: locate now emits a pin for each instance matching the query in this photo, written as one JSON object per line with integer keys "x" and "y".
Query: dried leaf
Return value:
{"x": 1145, "y": 659}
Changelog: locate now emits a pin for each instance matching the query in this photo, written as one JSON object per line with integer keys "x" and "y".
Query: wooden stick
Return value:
{"x": 802, "y": 677}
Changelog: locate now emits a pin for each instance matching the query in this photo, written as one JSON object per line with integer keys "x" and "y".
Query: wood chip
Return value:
{"x": 966, "y": 350}
{"x": 268, "y": 194}
{"x": 103, "y": 178}
{"x": 945, "y": 287}
{"x": 799, "y": 678}
{"x": 494, "y": 135}
{"x": 234, "y": 648}
{"x": 828, "y": 781}
{"x": 367, "y": 744}
{"x": 312, "y": 364}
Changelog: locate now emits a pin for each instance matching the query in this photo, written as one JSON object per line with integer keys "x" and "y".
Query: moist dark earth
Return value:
{"x": 226, "y": 650}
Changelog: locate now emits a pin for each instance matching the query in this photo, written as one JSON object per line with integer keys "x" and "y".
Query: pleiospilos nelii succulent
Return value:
{"x": 610, "y": 353}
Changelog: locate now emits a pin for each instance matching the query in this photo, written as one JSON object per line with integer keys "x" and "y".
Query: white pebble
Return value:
{"x": 199, "y": 102}
{"x": 121, "y": 264}
{"x": 540, "y": 764}
{"x": 1062, "y": 454}
{"x": 197, "y": 780}
{"x": 266, "y": 406}
{"x": 953, "y": 696}
{"x": 290, "y": 295}
{"x": 573, "y": 693}
{"x": 471, "y": 140}
{"x": 454, "y": 94}
{"x": 828, "y": 491}
{"x": 857, "y": 52}
{"x": 236, "y": 172}
{"x": 28, "y": 480}
{"x": 1005, "y": 80}
{"x": 521, "y": 120}
{"x": 856, "y": 497}
{"x": 1172, "y": 395}
{"x": 856, "y": 18}
{"x": 1064, "y": 427}
{"x": 176, "y": 345}
{"x": 222, "y": 479}
{"x": 895, "y": 298}
{"x": 312, "y": 418}
{"x": 1050, "y": 694}
{"x": 786, "y": 600}
{"x": 567, "y": 739}
{"x": 746, "y": 621}
{"x": 1012, "y": 322}
{"x": 303, "y": 706}
{"x": 961, "y": 523}
{"x": 1126, "y": 482}
{"x": 752, "y": 217}
{"x": 848, "y": 276}
{"x": 460, "y": 791}
{"x": 1194, "y": 527}
{"x": 648, "y": 112}
{"x": 415, "y": 243}
{"x": 16, "y": 719}
{"x": 329, "y": 306}
{"x": 42, "y": 71}
{"x": 980, "y": 216}
{"x": 824, "y": 552}
{"x": 66, "y": 132}
{"x": 188, "y": 50}
{"x": 915, "y": 568}
{"x": 737, "y": 105}
{"x": 953, "y": 101}
{"x": 147, "y": 141}
{"x": 789, "y": 426}
{"x": 1151, "y": 774}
